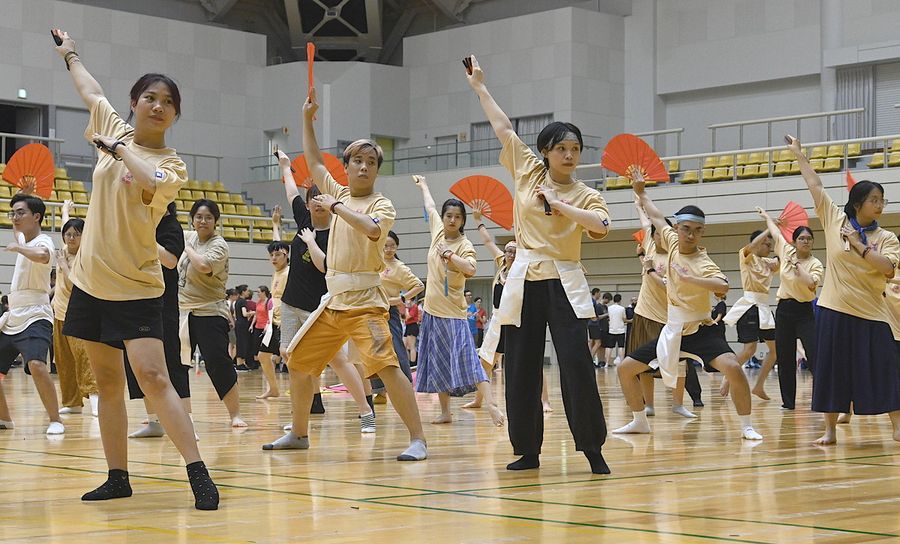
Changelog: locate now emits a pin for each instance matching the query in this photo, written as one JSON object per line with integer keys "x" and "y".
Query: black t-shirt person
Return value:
{"x": 305, "y": 284}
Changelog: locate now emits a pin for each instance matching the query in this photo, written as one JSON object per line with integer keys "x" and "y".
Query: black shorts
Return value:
{"x": 412, "y": 329}
{"x": 707, "y": 343}
{"x": 614, "y": 340}
{"x": 33, "y": 343}
{"x": 748, "y": 328}
{"x": 112, "y": 321}
{"x": 595, "y": 333}
{"x": 274, "y": 342}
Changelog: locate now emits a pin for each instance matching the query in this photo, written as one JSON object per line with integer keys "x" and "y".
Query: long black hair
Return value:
{"x": 451, "y": 203}
{"x": 554, "y": 133}
{"x": 858, "y": 195}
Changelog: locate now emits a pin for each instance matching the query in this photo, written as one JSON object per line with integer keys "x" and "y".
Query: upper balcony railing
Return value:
{"x": 827, "y": 116}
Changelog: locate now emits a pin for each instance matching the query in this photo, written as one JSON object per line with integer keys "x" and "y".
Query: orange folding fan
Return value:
{"x": 487, "y": 195}
{"x": 626, "y": 154}
{"x": 310, "y": 57}
{"x": 851, "y": 181}
{"x": 638, "y": 236}
{"x": 333, "y": 164}
{"x": 32, "y": 163}
{"x": 792, "y": 217}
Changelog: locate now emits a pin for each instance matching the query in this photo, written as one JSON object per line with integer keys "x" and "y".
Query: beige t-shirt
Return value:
{"x": 118, "y": 258}
{"x": 791, "y": 286}
{"x": 33, "y": 278}
{"x": 852, "y": 286}
{"x": 453, "y": 304}
{"x": 685, "y": 295}
{"x": 652, "y": 302}
{"x": 350, "y": 251}
{"x": 499, "y": 265}
{"x": 555, "y": 235}
{"x": 892, "y": 299}
{"x": 204, "y": 294}
{"x": 756, "y": 272}
{"x": 63, "y": 289}
{"x": 397, "y": 278}
{"x": 279, "y": 280}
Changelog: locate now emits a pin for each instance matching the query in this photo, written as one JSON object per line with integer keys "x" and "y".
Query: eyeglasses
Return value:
{"x": 204, "y": 219}
{"x": 72, "y": 235}
{"x": 877, "y": 201}
{"x": 17, "y": 214}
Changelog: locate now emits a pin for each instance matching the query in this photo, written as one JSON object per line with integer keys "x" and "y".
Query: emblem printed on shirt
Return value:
{"x": 127, "y": 179}
{"x": 159, "y": 174}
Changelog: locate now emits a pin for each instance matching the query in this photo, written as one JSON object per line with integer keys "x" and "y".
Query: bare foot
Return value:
{"x": 827, "y": 439}
{"x": 844, "y": 418}
{"x": 443, "y": 418}
{"x": 236, "y": 421}
{"x": 269, "y": 395}
{"x": 496, "y": 415}
{"x": 474, "y": 404}
{"x": 761, "y": 393}
{"x": 547, "y": 407}
{"x": 725, "y": 388}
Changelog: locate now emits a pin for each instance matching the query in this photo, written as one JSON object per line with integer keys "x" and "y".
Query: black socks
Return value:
{"x": 116, "y": 486}
{"x": 317, "y": 406}
{"x": 524, "y": 463}
{"x": 371, "y": 403}
{"x": 206, "y": 495}
{"x": 598, "y": 463}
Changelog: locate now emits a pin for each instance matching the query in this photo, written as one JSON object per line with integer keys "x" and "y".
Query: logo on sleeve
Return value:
{"x": 159, "y": 174}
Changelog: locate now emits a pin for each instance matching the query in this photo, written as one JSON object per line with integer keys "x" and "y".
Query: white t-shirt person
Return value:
{"x": 616, "y": 318}
{"x": 30, "y": 279}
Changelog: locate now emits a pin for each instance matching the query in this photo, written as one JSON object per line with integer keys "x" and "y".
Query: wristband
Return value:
{"x": 480, "y": 226}
{"x": 69, "y": 56}
{"x": 112, "y": 149}
{"x": 333, "y": 205}
{"x": 447, "y": 254}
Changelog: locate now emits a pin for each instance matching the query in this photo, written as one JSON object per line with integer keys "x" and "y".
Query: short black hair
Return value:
{"x": 241, "y": 288}
{"x": 278, "y": 245}
{"x": 76, "y": 223}
{"x": 607, "y": 295}
{"x": 692, "y": 210}
{"x": 34, "y": 204}
{"x": 554, "y": 133}
{"x": 755, "y": 234}
{"x": 229, "y": 292}
{"x": 799, "y": 230}
{"x": 617, "y": 298}
{"x": 147, "y": 80}
{"x": 595, "y": 290}
{"x": 477, "y": 299}
{"x": 455, "y": 203}
{"x": 858, "y": 194}
{"x": 393, "y": 236}
{"x": 210, "y": 205}
{"x": 467, "y": 292}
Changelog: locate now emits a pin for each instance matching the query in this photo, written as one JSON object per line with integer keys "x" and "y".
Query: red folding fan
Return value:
{"x": 638, "y": 236}
{"x": 333, "y": 164}
{"x": 626, "y": 155}
{"x": 310, "y": 57}
{"x": 32, "y": 163}
{"x": 851, "y": 181}
{"x": 792, "y": 217}
{"x": 487, "y": 195}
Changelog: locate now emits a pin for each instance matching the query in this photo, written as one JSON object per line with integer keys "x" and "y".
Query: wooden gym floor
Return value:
{"x": 690, "y": 481}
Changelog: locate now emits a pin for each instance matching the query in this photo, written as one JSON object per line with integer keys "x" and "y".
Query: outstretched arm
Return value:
{"x": 311, "y": 152}
{"x": 426, "y": 194}
{"x": 87, "y": 87}
{"x": 499, "y": 121}
{"x": 812, "y": 179}
{"x": 755, "y": 243}
{"x": 290, "y": 186}
{"x": 486, "y": 237}
{"x": 655, "y": 216}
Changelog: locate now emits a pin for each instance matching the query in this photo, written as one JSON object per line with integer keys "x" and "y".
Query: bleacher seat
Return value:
{"x": 674, "y": 166}
{"x": 721, "y": 173}
{"x": 61, "y": 173}
{"x": 256, "y": 211}
{"x": 748, "y": 171}
{"x": 237, "y": 198}
{"x": 219, "y": 187}
{"x": 80, "y": 198}
{"x": 818, "y": 152}
{"x": 877, "y": 161}
{"x": 894, "y": 158}
{"x": 742, "y": 158}
{"x": 229, "y": 209}
{"x": 180, "y": 206}
{"x": 61, "y": 185}
{"x": 242, "y": 235}
{"x": 817, "y": 164}
{"x": 710, "y": 162}
{"x": 183, "y": 219}
{"x": 242, "y": 209}
{"x": 832, "y": 164}
{"x": 795, "y": 168}
{"x": 854, "y": 150}
{"x": 782, "y": 168}
{"x": 207, "y": 185}
{"x": 758, "y": 158}
{"x": 228, "y": 233}
{"x": 77, "y": 186}
{"x": 262, "y": 236}
{"x": 2, "y": 167}
{"x": 895, "y": 145}
{"x": 193, "y": 185}
{"x": 5, "y": 191}
{"x": 835, "y": 151}
{"x": 725, "y": 161}
{"x": 690, "y": 176}
{"x": 708, "y": 173}
{"x": 763, "y": 171}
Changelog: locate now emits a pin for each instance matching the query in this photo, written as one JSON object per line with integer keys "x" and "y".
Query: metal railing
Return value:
{"x": 192, "y": 165}
{"x": 826, "y": 115}
{"x": 30, "y": 139}
{"x": 664, "y": 132}
{"x": 884, "y": 149}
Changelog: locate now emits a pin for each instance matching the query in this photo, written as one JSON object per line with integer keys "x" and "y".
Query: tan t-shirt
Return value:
{"x": 756, "y": 272}
{"x": 499, "y": 265}
{"x": 453, "y": 304}
{"x": 892, "y": 299}
{"x": 204, "y": 294}
{"x": 63, "y": 290}
{"x": 397, "y": 278}
{"x": 652, "y": 302}
{"x": 685, "y": 295}
{"x": 279, "y": 280}
{"x": 853, "y": 286}
{"x": 791, "y": 286}
{"x": 350, "y": 251}
{"x": 118, "y": 258}
{"x": 555, "y": 235}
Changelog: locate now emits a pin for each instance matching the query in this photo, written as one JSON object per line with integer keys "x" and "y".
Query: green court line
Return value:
{"x": 870, "y": 464}
{"x": 689, "y": 516}
{"x": 569, "y": 523}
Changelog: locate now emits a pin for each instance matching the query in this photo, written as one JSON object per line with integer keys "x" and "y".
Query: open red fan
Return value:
{"x": 487, "y": 195}
{"x": 638, "y": 236}
{"x": 333, "y": 164}
{"x": 792, "y": 217}
{"x": 850, "y": 180}
{"x": 626, "y": 154}
{"x": 32, "y": 163}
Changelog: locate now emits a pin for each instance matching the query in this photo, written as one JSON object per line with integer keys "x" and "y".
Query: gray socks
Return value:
{"x": 289, "y": 441}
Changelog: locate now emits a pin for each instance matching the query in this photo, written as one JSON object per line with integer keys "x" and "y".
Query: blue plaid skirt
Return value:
{"x": 448, "y": 362}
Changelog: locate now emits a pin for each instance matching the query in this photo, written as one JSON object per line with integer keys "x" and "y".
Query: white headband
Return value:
{"x": 690, "y": 217}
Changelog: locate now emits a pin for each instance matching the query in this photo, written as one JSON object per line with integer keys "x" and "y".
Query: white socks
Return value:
{"x": 639, "y": 425}
{"x": 6, "y": 425}
{"x": 95, "y": 405}
{"x": 56, "y": 428}
{"x": 747, "y": 431}
{"x": 683, "y": 412}
{"x": 417, "y": 451}
{"x": 290, "y": 441}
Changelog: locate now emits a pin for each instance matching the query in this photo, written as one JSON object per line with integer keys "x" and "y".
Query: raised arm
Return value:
{"x": 311, "y": 152}
{"x": 290, "y": 186}
{"x": 771, "y": 225}
{"x": 486, "y": 237}
{"x": 67, "y": 208}
{"x": 655, "y": 216}
{"x": 499, "y": 121}
{"x": 642, "y": 215}
{"x": 755, "y": 243}
{"x": 812, "y": 179}
{"x": 426, "y": 194}
{"x": 87, "y": 87}
{"x": 276, "y": 224}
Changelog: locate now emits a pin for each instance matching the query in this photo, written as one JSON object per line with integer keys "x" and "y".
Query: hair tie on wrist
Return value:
{"x": 333, "y": 205}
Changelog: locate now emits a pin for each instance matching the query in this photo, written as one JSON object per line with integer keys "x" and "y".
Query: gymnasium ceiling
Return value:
{"x": 364, "y": 30}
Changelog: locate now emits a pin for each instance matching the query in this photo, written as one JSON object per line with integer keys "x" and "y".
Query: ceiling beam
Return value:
{"x": 217, "y": 9}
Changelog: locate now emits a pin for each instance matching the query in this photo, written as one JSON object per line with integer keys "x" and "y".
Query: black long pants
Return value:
{"x": 692, "y": 382}
{"x": 544, "y": 303}
{"x": 396, "y": 326}
{"x": 178, "y": 373}
{"x": 794, "y": 320}
{"x": 211, "y": 334}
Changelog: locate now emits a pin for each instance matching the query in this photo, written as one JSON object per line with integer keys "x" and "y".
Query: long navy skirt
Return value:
{"x": 856, "y": 361}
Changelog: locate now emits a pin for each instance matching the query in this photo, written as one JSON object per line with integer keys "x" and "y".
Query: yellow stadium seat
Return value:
{"x": 183, "y": 219}
{"x": 854, "y": 150}
{"x": 5, "y": 221}
{"x": 184, "y": 194}
{"x": 818, "y": 152}
{"x": 742, "y": 159}
{"x": 193, "y": 185}
{"x": 207, "y": 185}
{"x": 5, "y": 207}
{"x": 80, "y": 198}
{"x": 691, "y": 176}
{"x": 894, "y": 159}
{"x": 782, "y": 168}
{"x": 242, "y": 235}
{"x": 710, "y": 162}
{"x": 61, "y": 185}
{"x": 237, "y": 198}
{"x": 61, "y": 173}
{"x": 5, "y": 191}
{"x": 2, "y": 167}
{"x": 63, "y": 195}
{"x": 57, "y": 222}
{"x": 80, "y": 212}
{"x": 877, "y": 161}
{"x": 674, "y": 166}
{"x": 229, "y": 209}
{"x": 748, "y": 171}
{"x": 77, "y": 186}
{"x": 228, "y": 233}
{"x": 198, "y": 195}
{"x": 817, "y": 164}
{"x": 219, "y": 187}
{"x": 243, "y": 209}
{"x": 758, "y": 158}
{"x": 725, "y": 161}
{"x": 895, "y": 145}
{"x": 262, "y": 224}
{"x": 53, "y": 197}
{"x": 211, "y": 195}
{"x": 795, "y": 168}
{"x": 721, "y": 173}
{"x": 262, "y": 235}
{"x": 256, "y": 211}
{"x": 181, "y": 206}
{"x": 708, "y": 173}
{"x": 833, "y": 164}
{"x": 763, "y": 171}
{"x": 835, "y": 151}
